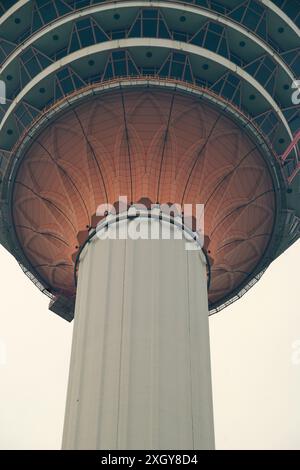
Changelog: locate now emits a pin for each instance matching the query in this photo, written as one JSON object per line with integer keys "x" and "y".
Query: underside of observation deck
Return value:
{"x": 165, "y": 101}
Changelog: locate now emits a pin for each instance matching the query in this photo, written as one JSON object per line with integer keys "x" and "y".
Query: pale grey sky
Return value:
{"x": 255, "y": 363}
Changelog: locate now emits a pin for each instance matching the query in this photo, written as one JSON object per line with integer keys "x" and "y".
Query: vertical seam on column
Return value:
{"x": 190, "y": 346}
{"x": 154, "y": 377}
{"x": 104, "y": 353}
{"x": 84, "y": 342}
{"x": 151, "y": 364}
{"x": 121, "y": 345}
{"x": 127, "y": 364}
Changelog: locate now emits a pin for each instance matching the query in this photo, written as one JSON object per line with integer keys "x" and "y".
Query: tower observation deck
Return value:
{"x": 164, "y": 102}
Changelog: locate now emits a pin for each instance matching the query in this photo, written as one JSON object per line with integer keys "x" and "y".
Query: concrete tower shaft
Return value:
{"x": 140, "y": 365}
{"x": 179, "y": 102}
{"x": 140, "y": 371}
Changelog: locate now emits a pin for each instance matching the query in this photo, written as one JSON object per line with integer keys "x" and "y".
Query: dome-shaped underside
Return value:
{"x": 152, "y": 144}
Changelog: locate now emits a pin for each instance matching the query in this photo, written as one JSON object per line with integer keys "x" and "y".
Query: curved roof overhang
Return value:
{"x": 267, "y": 3}
{"x": 196, "y": 10}
{"x": 145, "y": 42}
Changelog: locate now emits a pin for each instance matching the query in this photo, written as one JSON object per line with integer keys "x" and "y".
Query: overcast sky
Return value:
{"x": 255, "y": 363}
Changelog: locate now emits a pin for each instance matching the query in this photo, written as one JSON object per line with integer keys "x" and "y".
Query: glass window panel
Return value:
{"x": 150, "y": 28}
{"x": 63, "y": 73}
{"x": 117, "y": 35}
{"x": 263, "y": 74}
{"x": 24, "y": 77}
{"x": 120, "y": 68}
{"x": 108, "y": 72}
{"x": 136, "y": 30}
{"x": 150, "y": 13}
{"x": 83, "y": 24}
{"x": 33, "y": 67}
{"x": 74, "y": 45}
{"x": 188, "y": 76}
{"x": 67, "y": 85}
{"x": 86, "y": 37}
{"x": 237, "y": 14}
{"x": 199, "y": 38}
{"x": 100, "y": 36}
{"x": 216, "y": 28}
{"x": 223, "y": 50}
{"x": 251, "y": 19}
{"x": 62, "y": 8}
{"x": 212, "y": 41}
{"x": 179, "y": 57}
{"x": 48, "y": 12}
{"x": 164, "y": 71}
{"x": 176, "y": 70}
{"x": 163, "y": 31}
{"x": 117, "y": 55}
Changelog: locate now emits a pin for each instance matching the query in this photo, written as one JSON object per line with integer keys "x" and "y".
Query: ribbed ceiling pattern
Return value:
{"x": 160, "y": 145}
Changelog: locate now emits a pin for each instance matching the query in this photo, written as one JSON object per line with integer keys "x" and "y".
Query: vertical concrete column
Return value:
{"x": 140, "y": 373}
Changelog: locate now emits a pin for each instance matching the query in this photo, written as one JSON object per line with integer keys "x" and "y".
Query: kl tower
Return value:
{"x": 169, "y": 104}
